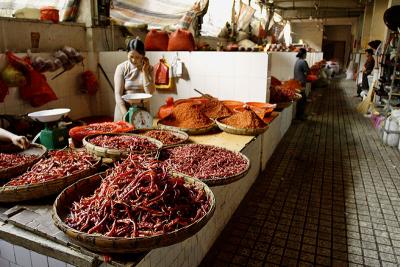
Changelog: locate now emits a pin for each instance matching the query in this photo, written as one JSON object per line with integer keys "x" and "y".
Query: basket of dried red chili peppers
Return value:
{"x": 212, "y": 165}
{"x": 50, "y": 175}
{"x": 13, "y": 164}
{"x": 119, "y": 145}
{"x": 167, "y": 137}
{"x": 136, "y": 206}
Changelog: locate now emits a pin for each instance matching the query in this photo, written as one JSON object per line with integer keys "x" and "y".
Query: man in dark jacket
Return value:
{"x": 301, "y": 70}
{"x": 367, "y": 70}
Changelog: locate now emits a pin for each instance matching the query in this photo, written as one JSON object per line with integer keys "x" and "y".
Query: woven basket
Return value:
{"x": 10, "y": 194}
{"x": 103, "y": 244}
{"x": 180, "y": 134}
{"x": 240, "y": 131}
{"x": 217, "y": 181}
{"x": 116, "y": 153}
{"x": 34, "y": 149}
{"x": 190, "y": 131}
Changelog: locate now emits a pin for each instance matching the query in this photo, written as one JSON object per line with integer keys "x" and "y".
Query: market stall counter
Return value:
{"x": 28, "y": 236}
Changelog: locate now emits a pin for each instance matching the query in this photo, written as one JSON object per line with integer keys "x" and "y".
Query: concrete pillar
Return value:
{"x": 366, "y": 28}
{"x": 378, "y": 28}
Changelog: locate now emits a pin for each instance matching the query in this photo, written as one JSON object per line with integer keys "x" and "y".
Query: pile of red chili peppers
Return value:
{"x": 11, "y": 160}
{"x": 139, "y": 198}
{"x": 204, "y": 161}
{"x": 166, "y": 137}
{"x": 124, "y": 142}
{"x": 59, "y": 164}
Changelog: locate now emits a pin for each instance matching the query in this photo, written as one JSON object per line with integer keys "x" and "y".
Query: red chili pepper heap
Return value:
{"x": 139, "y": 198}
{"x": 124, "y": 142}
{"x": 10, "y": 160}
{"x": 59, "y": 163}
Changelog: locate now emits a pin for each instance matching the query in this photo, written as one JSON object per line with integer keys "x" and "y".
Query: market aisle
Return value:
{"x": 329, "y": 196}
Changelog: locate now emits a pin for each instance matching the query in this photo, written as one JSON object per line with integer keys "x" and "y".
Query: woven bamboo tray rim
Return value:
{"x": 180, "y": 134}
{"x": 106, "y": 152}
{"x": 10, "y": 194}
{"x": 8, "y": 173}
{"x": 218, "y": 181}
{"x": 103, "y": 244}
{"x": 190, "y": 131}
{"x": 240, "y": 131}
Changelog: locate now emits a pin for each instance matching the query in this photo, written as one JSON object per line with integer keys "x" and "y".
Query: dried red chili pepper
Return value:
{"x": 204, "y": 161}
{"x": 139, "y": 198}
{"x": 59, "y": 163}
{"x": 166, "y": 137}
{"x": 124, "y": 142}
{"x": 10, "y": 160}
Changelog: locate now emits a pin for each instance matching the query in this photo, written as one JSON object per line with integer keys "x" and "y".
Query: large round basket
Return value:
{"x": 184, "y": 137}
{"x": 34, "y": 149}
{"x": 10, "y": 194}
{"x": 217, "y": 181}
{"x": 190, "y": 131}
{"x": 103, "y": 244}
{"x": 240, "y": 131}
{"x": 114, "y": 153}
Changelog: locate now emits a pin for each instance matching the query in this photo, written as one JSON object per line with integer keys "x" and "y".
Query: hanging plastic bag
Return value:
{"x": 89, "y": 82}
{"x": 36, "y": 90}
{"x": 162, "y": 75}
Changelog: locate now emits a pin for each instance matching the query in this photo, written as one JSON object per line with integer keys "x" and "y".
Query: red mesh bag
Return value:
{"x": 36, "y": 90}
{"x": 80, "y": 132}
{"x": 275, "y": 81}
{"x": 181, "y": 40}
{"x": 89, "y": 82}
{"x": 156, "y": 41}
{"x": 3, "y": 90}
{"x": 312, "y": 78}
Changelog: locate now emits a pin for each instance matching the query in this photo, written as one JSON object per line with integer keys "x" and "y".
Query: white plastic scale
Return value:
{"x": 54, "y": 135}
{"x": 137, "y": 115}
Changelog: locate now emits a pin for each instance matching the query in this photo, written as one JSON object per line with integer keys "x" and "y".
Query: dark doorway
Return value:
{"x": 334, "y": 50}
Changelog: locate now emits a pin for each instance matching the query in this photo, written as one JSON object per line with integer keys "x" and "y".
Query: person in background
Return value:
{"x": 134, "y": 75}
{"x": 20, "y": 141}
{"x": 367, "y": 70}
{"x": 301, "y": 70}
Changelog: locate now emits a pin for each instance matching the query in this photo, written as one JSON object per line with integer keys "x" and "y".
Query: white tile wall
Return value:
{"x": 7, "y": 251}
{"x": 55, "y": 263}
{"x": 234, "y": 76}
{"x": 38, "y": 259}
{"x": 22, "y": 256}
{"x": 66, "y": 87}
{"x": 4, "y": 262}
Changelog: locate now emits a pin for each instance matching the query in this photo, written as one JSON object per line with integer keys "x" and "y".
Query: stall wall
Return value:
{"x": 66, "y": 87}
{"x": 234, "y": 76}
{"x": 340, "y": 33}
{"x": 309, "y": 33}
{"x": 282, "y": 63}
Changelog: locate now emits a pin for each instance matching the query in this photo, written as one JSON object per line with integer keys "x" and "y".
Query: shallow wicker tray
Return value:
{"x": 217, "y": 181}
{"x": 103, "y": 244}
{"x": 180, "y": 134}
{"x": 10, "y": 194}
{"x": 240, "y": 131}
{"x": 34, "y": 149}
{"x": 190, "y": 131}
{"x": 116, "y": 153}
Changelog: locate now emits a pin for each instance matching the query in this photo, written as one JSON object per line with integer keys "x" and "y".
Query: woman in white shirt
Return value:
{"x": 134, "y": 75}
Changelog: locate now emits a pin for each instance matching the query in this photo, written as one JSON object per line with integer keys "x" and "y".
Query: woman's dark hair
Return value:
{"x": 301, "y": 53}
{"x": 369, "y": 51}
{"x": 136, "y": 45}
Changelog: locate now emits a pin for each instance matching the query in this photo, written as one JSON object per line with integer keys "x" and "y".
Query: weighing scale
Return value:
{"x": 54, "y": 135}
{"x": 137, "y": 114}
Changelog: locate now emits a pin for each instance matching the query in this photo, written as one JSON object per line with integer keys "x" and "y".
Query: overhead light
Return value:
{"x": 270, "y": 1}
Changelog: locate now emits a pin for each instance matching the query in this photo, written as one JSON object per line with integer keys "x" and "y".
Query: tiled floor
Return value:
{"x": 329, "y": 197}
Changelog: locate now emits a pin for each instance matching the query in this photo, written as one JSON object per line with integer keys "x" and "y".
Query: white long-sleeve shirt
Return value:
{"x": 129, "y": 79}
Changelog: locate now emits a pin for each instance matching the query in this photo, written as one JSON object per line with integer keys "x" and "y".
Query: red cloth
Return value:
{"x": 36, "y": 90}
{"x": 89, "y": 82}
